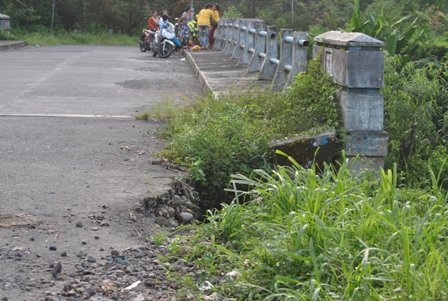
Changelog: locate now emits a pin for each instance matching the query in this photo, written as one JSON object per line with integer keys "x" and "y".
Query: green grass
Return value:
{"x": 71, "y": 38}
{"x": 142, "y": 116}
{"x": 299, "y": 235}
{"x": 159, "y": 238}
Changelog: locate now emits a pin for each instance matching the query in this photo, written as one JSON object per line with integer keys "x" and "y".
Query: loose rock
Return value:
{"x": 57, "y": 269}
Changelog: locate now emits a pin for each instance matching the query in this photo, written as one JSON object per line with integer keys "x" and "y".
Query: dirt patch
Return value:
{"x": 16, "y": 220}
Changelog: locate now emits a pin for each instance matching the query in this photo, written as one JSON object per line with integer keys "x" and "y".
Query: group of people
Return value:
{"x": 205, "y": 23}
{"x": 208, "y": 19}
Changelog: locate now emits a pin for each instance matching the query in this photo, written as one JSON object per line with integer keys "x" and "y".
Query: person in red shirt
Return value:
{"x": 211, "y": 37}
{"x": 153, "y": 21}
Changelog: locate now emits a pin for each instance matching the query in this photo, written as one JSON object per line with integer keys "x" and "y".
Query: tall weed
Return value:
{"x": 304, "y": 236}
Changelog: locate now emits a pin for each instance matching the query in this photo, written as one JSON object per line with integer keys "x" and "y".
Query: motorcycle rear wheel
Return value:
{"x": 143, "y": 47}
{"x": 165, "y": 52}
{"x": 142, "y": 43}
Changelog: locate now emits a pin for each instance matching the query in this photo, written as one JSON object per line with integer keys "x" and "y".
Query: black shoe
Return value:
{"x": 154, "y": 55}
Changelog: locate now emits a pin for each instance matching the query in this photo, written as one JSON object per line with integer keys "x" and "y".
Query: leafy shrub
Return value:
{"x": 311, "y": 101}
{"x": 218, "y": 138}
{"x": 4, "y": 35}
{"x": 415, "y": 105}
{"x": 232, "y": 12}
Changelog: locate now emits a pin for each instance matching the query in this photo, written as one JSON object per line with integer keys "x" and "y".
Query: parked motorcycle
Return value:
{"x": 163, "y": 44}
{"x": 146, "y": 40}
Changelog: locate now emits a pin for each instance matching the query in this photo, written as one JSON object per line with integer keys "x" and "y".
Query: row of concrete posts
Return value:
{"x": 354, "y": 60}
{"x": 253, "y": 43}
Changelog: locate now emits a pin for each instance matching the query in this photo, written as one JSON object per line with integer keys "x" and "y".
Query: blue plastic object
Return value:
{"x": 177, "y": 42}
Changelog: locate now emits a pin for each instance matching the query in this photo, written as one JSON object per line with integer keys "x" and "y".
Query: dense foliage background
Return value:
{"x": 129, "y": 16}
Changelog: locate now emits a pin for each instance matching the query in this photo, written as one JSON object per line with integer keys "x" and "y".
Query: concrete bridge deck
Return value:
{"x": 218, "y": 73}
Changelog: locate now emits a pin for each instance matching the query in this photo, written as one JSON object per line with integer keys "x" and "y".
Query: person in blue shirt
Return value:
{"x": 163, "y": 23}
{"x": 184, "y": 32}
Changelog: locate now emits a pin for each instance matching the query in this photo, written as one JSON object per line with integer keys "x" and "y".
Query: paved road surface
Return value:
{"x": 70, "y": 147}
{"x": 88, "y": 80}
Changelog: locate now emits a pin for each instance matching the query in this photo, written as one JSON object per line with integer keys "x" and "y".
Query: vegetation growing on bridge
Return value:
{"x": 216, "y": 138}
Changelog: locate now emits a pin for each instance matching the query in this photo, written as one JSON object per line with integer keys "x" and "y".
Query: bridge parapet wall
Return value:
{"x": 354, "y": 60}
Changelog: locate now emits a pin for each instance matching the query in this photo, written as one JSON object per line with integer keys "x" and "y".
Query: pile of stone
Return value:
{"x": 178, "y": 205}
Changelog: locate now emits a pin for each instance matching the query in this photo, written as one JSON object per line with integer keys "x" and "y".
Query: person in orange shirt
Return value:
{"x": 205, "y": 15}
{"x": 153, "y": 21}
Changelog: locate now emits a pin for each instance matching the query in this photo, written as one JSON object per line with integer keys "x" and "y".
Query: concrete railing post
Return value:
{"x": 239, "y": 43}
{"x": 256, "y": 60}
{"x": 268, "y": 68}
{"x": 356, "y": 63}
{"x": 299, "y": 56}
{"x": 228, "y": 38}
{"x": 235, "y": 35}
{"x": 225, "y": 34}
{"x": 219, "y": 33}
{"x": 248, "y": 44}
{"x": 5, "y": 23}
{"x": 285, "y": 65}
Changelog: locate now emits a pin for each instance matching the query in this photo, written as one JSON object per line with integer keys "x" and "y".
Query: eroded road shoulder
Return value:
{"x": 75, "y": 166}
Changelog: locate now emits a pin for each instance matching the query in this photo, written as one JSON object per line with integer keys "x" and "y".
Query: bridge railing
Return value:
{"x": 354, "y": 60}
{"x": 253, "y": 43}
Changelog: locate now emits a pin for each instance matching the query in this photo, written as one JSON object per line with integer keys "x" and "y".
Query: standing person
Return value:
{"x": 153, "y": 21}
{"x": 194, "y": 33}
{"x": 164, "y": 13}
{"x": 215, "y": 9}
{"x": 163, "y": 22}
{"x": 187, "y": 14}
{"x": 184, "y": 31}
{"x": 205, "y": 15}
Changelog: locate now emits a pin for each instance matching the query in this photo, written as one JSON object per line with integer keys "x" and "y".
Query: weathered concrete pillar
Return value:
{"x": 5, "y": 23}
{"x": 356, "y": 63}
{"x": 249, "y": 40}
{"x": 219, "y": 33}
{"x": 299, "y": 56}
{"x": 239, "y": 45}
{"x": 235, "y": 35}
{"x": 256, "y": 60}
{"x": 229, "y": 32}
{"x": 268, "y": 68}
{"x": 284, "y": 66}
{"x": 225, "y": 36}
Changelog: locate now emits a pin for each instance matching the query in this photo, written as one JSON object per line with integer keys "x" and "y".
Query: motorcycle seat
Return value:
{"x": 149, "y": 31}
